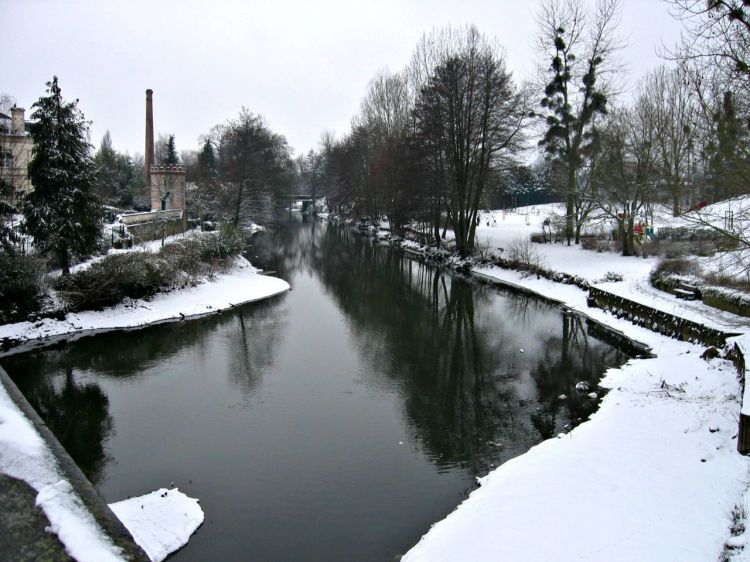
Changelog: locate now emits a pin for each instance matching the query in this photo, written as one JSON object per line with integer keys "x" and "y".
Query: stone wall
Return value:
{"x": 656, "y": 320}
{"x": 155, "y": 230}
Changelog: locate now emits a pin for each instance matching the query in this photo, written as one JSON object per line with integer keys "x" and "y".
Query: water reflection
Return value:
{"x": 452, "y": 348}
{"x": 349, "y": 414}
{"x": 76, "y": 412}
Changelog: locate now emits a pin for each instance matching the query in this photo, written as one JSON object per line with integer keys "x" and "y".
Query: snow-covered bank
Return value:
{"x": 241, "y": 285}
{"x": 171, "y": 517}
{"x": 161, "y": 522}
{"x": 25, "y": 456}
{"x": 654, "y": 475}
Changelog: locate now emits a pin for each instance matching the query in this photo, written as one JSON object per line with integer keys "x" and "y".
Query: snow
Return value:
{"x": 243, "y": 284}
{"x": 649, "y": 477}
{"x": 644, "y": 479}
{"x": 25, "y": 456}
{"x": 161, "y": 522}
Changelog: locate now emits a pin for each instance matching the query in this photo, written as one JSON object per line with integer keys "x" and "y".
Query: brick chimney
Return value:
{"x": 149, "y": 154}
{"x": 17, "y": 114}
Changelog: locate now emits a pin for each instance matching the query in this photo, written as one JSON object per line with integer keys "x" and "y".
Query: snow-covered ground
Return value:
{"x": 654, "y": 475}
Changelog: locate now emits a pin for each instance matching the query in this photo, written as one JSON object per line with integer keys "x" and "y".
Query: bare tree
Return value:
{"x": 667, "y": 102}
{"x": 716, "y": 33}
{"x": 472, "y": 118}
{"x": 627, "y": 168}
{"x": 253, "y": 163}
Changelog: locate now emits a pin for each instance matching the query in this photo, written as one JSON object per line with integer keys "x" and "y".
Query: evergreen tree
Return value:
{"x": 204, "y": 201}
{"x": 207, "y": 161}
{"x": 62, "y": 213}
{"x": 170, "y": 156}
{"x": 106, "y": 169}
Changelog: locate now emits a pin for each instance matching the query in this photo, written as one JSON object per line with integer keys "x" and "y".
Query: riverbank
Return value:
{"x": 654, "y": 474}
{"x": 27, "y": 453}
{"x": 243, "y": 284}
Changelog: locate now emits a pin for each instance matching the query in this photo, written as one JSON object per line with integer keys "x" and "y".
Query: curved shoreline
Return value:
{"x": 243, "y": 285}
{"x": 653, "y": 474}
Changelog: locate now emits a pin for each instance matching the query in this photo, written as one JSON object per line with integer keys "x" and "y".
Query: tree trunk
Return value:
{"x": 628, "y": 241}
{"x": 570, "y": 203}
{"x": 675, "y": 206}
{"x": 64, "y": 261}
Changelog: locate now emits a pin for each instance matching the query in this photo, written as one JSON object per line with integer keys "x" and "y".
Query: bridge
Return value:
{"x": 297, "y": 197}
{"x": 306, "y": 200}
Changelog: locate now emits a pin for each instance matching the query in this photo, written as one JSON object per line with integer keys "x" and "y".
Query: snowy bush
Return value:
{"x": 142, "y": 274}
{"x": 611, "y": 277}
{"x": 727, "y": 299}
{"x": 674, "y": 266}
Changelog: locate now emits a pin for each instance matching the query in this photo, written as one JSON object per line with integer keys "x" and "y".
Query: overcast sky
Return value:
{"x": 303, "y": 65}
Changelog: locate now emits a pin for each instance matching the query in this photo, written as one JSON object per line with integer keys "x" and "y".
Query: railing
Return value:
{"x": 151, "y": 216}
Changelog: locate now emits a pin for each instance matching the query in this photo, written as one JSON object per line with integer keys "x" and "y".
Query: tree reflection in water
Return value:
{"x": 448, "y": 346}
{"x": 76, "y": 412}
{"x": 449, "y": 349}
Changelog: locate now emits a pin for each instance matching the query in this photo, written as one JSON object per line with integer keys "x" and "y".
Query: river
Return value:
{"x": 335, "y": 422}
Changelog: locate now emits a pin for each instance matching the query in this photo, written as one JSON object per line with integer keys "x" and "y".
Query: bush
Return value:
{"x": 612, "y": 277}
{"x": 114, "y": 278}
{"x": 538, "y": 237}
{"x": 675, "y": 266}
{"x": 21, "y": 286}
{"x": 590, "y": 243}
{"x": 140, "y": 274}
{"x": 523, "y": 253}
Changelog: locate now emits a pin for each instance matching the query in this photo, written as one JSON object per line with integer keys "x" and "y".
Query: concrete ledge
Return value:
{"x": 98, "y": 508}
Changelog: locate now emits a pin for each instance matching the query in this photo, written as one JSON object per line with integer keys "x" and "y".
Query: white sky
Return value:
{"x": 303, "y": 65}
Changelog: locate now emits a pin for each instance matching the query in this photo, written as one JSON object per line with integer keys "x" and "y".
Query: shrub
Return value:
{"x": 142, "y": 274}
{"x": 112, "y": 279}
{"x": 21, "y": 286}
{"x": 675, "y": 266}
{"x": 538, "y": 238}
{"x": 612, "y": 277}
{"x": 522, "y": 253}
{"x": 590, "y": 243}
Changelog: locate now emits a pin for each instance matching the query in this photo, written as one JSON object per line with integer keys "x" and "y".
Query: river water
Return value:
{"x": 335, "y": 422}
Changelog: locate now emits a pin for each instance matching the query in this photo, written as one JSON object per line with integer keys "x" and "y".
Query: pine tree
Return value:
{"x": 171, "y": 158}
{"x": 62, "y": 213}
{"x": 207, "y": 161}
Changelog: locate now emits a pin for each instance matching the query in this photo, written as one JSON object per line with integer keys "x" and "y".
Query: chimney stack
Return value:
{"x": 149, "y": 154}
{"x": 18, "y": 127}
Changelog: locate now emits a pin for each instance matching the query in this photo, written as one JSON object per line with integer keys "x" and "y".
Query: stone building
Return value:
{"x": 165, "y": 183}
{"x": 15, "y": 152}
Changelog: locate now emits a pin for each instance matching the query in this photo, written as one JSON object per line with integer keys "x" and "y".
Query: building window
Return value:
{"x": 6, "y": 158}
